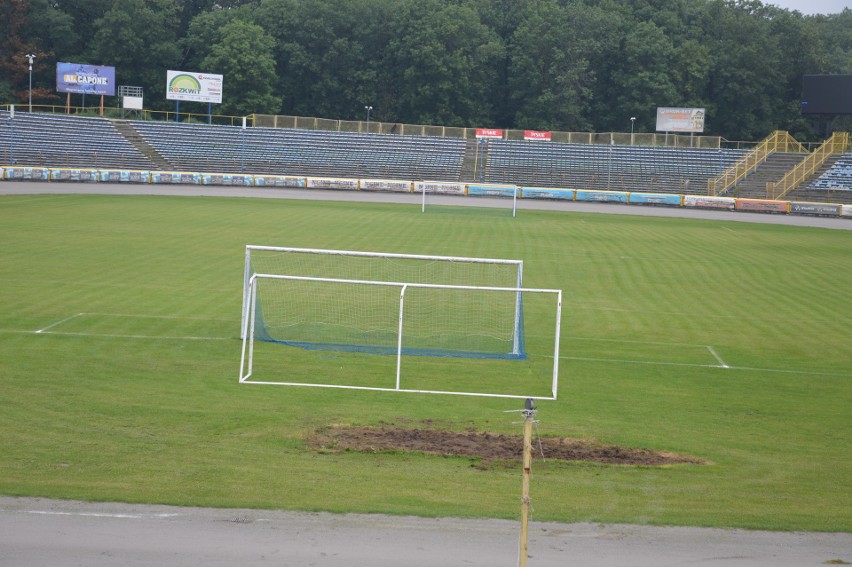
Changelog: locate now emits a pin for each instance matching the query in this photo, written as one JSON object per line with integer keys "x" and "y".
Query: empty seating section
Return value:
{"x": 621, "y": 168}
{"x": 50, "y": 140}
{"x": 838, "y": 176}
{"x": 229, "y": 149}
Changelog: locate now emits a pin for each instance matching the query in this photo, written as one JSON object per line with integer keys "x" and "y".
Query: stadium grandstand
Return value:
{"x": 65, "y": 141}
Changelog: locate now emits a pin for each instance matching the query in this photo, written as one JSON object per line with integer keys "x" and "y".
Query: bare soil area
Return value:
{"x": 489, "y": 447}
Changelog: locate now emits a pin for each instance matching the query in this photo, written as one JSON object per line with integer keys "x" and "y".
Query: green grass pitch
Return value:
{"x": 728, "y": 341}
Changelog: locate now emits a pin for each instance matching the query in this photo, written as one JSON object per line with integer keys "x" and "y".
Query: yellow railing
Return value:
{"x": 837, "y": 144}
{"x": 778, "y": 141}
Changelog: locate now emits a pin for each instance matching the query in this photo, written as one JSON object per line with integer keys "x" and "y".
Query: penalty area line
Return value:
{"x": 717, "y": 357}
{"x": 56, "y": 324}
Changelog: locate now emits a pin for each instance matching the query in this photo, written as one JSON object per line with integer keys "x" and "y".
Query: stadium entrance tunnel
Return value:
{"x": 488, "y": 447}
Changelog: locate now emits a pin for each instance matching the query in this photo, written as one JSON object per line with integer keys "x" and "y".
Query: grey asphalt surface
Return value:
{"x": 64, "y": 533}
{"x": 60, "y": 533}
{"x": 45, "y": 187}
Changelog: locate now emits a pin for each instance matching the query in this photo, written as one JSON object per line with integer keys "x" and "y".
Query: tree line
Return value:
{"x": 575, "y": 65}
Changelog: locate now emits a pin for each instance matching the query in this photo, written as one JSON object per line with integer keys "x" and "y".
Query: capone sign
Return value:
{"x": 85, "y": 79}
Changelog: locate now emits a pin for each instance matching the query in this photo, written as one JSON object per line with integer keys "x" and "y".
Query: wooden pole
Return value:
{"x": 529, "y": 412}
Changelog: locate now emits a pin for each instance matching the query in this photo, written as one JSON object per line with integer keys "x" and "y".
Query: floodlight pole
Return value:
{"x": 31, "y": 57}
{"x": 528, "y": 413}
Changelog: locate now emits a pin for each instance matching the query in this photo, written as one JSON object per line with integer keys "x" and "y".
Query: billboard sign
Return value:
{"x": 489, "y": 133}
{"x": 197, "y": 87}
{"x": 85, "y": 79}
{"x": 680, "y": 119}
{"x": 827, "y": 94}
{"x": 536, "y": 135}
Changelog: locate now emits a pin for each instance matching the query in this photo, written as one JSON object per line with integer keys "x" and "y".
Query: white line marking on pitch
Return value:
{"x": 110, "y": 336}
{"x": 717, "y": 357}
{"x": 59, "y": 322}
{"x": 653, "y": 362}
{"x": 100, "y": 515}
{"x": 745, "y": 368}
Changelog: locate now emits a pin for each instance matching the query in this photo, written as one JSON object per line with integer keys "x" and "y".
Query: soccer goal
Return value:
{"x": 422, "y": 329}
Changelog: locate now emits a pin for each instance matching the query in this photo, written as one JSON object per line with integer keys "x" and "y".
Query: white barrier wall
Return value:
{"x": 181, "y": 177}
{"x": 440, "y": 187}
{"x": 655, "y": 199}
{"x": 547, "y": 193}
{"x": 424, "y": 187}
{"x": 332, "y": 183}
{"x": 395, "y": 185}
{"x": 120, "y": 176}
{"x": 491, "y": 190}
{"x": 700, "y": 202}
{"x": 32, "y": 173}
{"x": 226, "y": 179}
{"x": 279, "y": 181}
{"x": 88, "y": 175}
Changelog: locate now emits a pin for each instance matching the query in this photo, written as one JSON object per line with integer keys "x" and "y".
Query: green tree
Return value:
{"x": 746, "y": 79}
{"x": 645, "y": 78}
{"x": 443, "y": 63}
{"x": 330, "y": 56}
{"x": 244, "y": 57}
{"x": 138, "y": 38}
{"x": 554, "y": 61}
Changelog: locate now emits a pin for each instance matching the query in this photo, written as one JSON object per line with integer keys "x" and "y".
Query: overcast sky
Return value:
{"x": 812, "y": 6}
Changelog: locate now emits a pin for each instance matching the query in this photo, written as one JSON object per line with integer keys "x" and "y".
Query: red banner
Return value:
{"x": 536, "y": 135}
{"x": 489, "y": 133}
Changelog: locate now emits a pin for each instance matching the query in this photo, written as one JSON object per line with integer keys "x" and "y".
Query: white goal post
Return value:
{"x": 402, "y": 319}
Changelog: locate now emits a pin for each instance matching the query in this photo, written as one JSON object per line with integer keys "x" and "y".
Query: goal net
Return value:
{"x": 386, "y": 267}
{"x": 403, "y": 319}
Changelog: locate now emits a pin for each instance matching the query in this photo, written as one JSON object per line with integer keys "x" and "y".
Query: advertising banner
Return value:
{"x": 197, "y": 87}
{"x": 176, "y": 177}
{"x": 278, "y": 181}
{"x": 489, "y": 133}
{"x": 700, "y": 202}
{"x": 761, "y": 206}
{"x": 225, "y": 179}
{"x": 815, "y": 209}
{"x": 74, "y": 175}
{"x": 386, "y": 185}
{"x": 601, "y": 196}
{"x": 536, "y": 135}
{"x": 680, "y": 119}
{"x": 85, "y": 79}
{"x": 439, "y": 187}
{"x": 332, "y": 183}
{"x": 492, "y": 190}
{"x": 41, "y": 173}
{"x": 547, "y": 193}
{"x": 655, "y": 199}
{"x": 125, "y": 176}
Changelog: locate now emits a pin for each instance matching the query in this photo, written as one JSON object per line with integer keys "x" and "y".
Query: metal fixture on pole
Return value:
{"x": 31, "y": 57}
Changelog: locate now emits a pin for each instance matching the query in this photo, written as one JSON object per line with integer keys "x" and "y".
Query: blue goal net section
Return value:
{"x": 370, "y": 321}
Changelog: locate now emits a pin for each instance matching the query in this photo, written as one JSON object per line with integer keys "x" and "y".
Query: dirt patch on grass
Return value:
{"x": 490, "y": 447}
